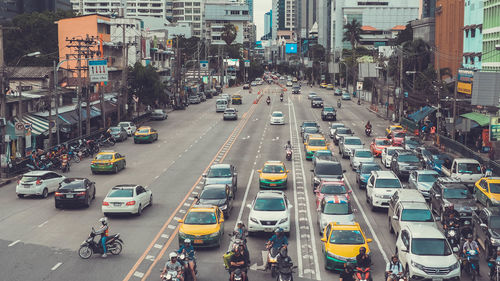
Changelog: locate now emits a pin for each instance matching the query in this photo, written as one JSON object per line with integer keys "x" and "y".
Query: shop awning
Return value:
{"x": 39, "y": 125}
{"x": 481, "y": 119}
{"x": 94, "y": 112}
{"x": 422, "y": 113}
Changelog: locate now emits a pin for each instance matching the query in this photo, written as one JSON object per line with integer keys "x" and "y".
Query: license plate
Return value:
{"x": 117, "y": 204}
{"x": 272, "y": 184}
{"x": 269, "y": 229}
{"x": 198, "y": 241}
{"x": 437, "y": 279}
{"x": 69, "y": 196}
{"x": 27, "y": 185}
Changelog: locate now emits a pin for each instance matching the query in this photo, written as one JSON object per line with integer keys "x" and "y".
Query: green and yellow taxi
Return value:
{"x": 313, "y": 144}
{"x": 237, "y": 99}
{"x": 108, "y": 161}
{"x": 323, "y": 85}
{"x": 145, "y": 134}
{"x": 487, "y": 191}
{"x": 204, "y": 225}
{"x": 341, "y": 243}
{"x": 329, "y": 87}
{"x": 273, "y": 175}
{"x": 393, "y": 128}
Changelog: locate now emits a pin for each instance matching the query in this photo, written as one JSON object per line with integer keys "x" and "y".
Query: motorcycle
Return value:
{"x": 339, "y": 104}
{"x": 281, "y": 98}
{"x": 114, "y": 245}
{"x": 65, "y": 163}
{"x": 105, "y": 142}
{"x": 289, "y": 154}
{"x": 184, "y": 261}
{"x": 169, "y": 276}
{"x": 472, "y": 263}
{"x": 453, "y": 236}
{"x": 363, "y": 274}
{"x": 268, "y": 102}
{"x": 494, "y": 266}
{"x": 368, "y": 131}
{"x": 396, "y": 277}
{"x": 272, "y": 260}
{"x": 285, "y": 272}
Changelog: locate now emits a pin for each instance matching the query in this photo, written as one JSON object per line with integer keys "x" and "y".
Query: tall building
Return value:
{"x": 217, "y": 15}
{"x": 307, "y": 15}
{"x": 133, "y": 8}
{"x": 491, "y": 36}
{"x": 12, "y": 8}
{"x": 191, "y": 11}
{"x": 278, "y": 18}
{"x": 290, "y": 14}
{"x": 324, "y": 20}
{"x": 268, "y": 25}
{"x": 449, "y": 34}
{"x": 472, "y": 32}
{"x": 250, "y": 8}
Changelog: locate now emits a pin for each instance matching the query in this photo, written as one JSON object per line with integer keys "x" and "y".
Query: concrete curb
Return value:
{"x": 4, "y": 182}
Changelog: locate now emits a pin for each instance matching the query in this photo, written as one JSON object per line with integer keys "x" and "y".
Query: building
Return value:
{"x": 172, "y": 29}
{"x": 449, "y": 35}
{"x": 473, "y": 35}
{"x": 324, "y": 20}
{"x": 278, "y": 19}
{"x": 250, "y": 33}
{"x": 250, "y": 8}
{"x": 12, "y": 8}
{"x": 491, "y": 36}
{"x": 290, "y": 15}
{"x": 307, "y": 11}
{"x": 191, "y": 11}
{"x": 268, "y": 25}
{"x": 135, "y": 8}
{"x": 218, "y": 15}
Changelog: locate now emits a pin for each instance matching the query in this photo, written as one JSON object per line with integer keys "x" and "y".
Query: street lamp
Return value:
{"x": 34, "y": 54}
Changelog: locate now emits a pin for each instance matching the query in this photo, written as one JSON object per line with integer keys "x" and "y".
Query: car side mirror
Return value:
{"x": 483, "y": 225}
{"x": 369, "y": 240}
{"x": 204, "y": 175}
{"x": 395, "y": 217}
{"x": 323, "y": 240}
{"x": 180, "y": 221}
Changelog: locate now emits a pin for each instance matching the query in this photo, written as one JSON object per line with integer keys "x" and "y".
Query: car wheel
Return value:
{"x": 150, "y": 200}
{"x": 20, "y": 195}
{"x": 93, "y": 195}
{"x": 115, "y": 169}
{"x": 372, "y": 207}
{"x": 87, "y": 203}
{"x": 139, "y": 210}
{"x": 45, "y": 193}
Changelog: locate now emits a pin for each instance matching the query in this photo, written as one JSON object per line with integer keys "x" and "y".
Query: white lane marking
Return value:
{"x": 158, "y": 246}
{"x": 138, "y": 274}
{"x": 243, "y": 202}
{"x": 14, "y": 243}
{"x": 309, "y": 217}
{"x": 157, "y": 177}
{"x": 361, "y": 209}
{"x": 56, "y": 266}
{"x": 264, "y": 261}
{"x": 43, "y": 223}
{"x": 165, "y": 236}
{"x": 150, "y": 258}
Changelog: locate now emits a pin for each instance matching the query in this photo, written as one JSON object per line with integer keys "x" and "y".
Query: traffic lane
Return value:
{"x": 308, "y": 113}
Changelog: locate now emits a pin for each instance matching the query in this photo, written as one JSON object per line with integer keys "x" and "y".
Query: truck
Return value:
{"x": 467, "y": 170}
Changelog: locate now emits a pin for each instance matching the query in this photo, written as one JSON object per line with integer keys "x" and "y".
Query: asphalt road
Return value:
{"x": 39, "y": 242}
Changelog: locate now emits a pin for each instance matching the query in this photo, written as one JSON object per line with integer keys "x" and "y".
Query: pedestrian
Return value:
{"x": 491, "y": 154}
{"x": 479, "y": 144}
{"x": 433, "y": 132}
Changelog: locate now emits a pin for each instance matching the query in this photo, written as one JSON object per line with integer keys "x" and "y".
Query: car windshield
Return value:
{"x": 230, "y": 111}
{"x": 158, "y": 111}
{"x": 316, "y": 98}
{"x": 311, "y": 130}
{"x": 335, "y": 126}
{"x": 363, "y": 154}
{"x": 29, "y": 178}
{"x": 352, "y": 141}
{"x": 469, "y": 168}
{"x": 143, "y": 131}
{"x": 494, "y": 222}
{"x": 349, "y": 237}
{"x": 200, "y": 218}
{"x": 382, "y": 142}
{"x": 399, "y": 135}
{"x": 388, "y": 183}
{"x": 121, "y": 192}
{"x": 428, "y": 177}
{"x": 333, "y": 189}
{"x": 309, "y": 124}
{"x": 408, "y": 158}
{"x": 456, "y": 193}
{"x": 316, "y": 142}
{"x": 121, "y": 124}
{"x": 327, "y": 169}
{"x": 421, "y": 215}
{"x": 344, "y": 131}
{"x": 337, "y": 209}
{"x": 277, "y": 114}
{"x": 328, "y": 109}
{"x": 72, "y": 184}
{"x": 221, "y": 102}
{"x": 219, "y": 173}
{"x": 104, "y": 157}
{"x": 115, "y": 129}
{"x": 276, "y": 169}
{"x": 345, "y": 94}
{"x": 269, "y": 204}
{"x": 412, "y": 142}
{"x": 430, "y": 247}
{"x": 367, "y": 169}
{"x": 215, "y": 193}
{"x": 494, "y": 187}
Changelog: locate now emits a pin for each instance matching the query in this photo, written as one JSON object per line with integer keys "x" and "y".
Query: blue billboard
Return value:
{"x": 291, "y": 48}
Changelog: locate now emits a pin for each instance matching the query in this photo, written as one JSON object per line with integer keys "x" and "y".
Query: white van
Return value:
{"x": 220, "y": 105}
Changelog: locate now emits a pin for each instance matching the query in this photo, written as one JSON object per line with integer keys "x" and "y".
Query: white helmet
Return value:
{"x": 104, "y": 221}
{"x": 187, "y": 241}
{"x": 172, "y": 255}
{"x": 240, "y": 222}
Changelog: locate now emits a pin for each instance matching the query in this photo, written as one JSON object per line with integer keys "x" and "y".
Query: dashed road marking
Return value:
{"x": 14, "y": 243}
{"x": 56, "y": 266}
{"x": 43, "y": 223}
{"x": 138, "y": 274}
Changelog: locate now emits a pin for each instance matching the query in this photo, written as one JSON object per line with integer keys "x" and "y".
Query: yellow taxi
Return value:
{"x": 322, "y": 85}
{"x": 329, "y": 86}
{"x": 341, "y": 243}
{"x": 145, "y": 134}
{"x": 204, "y": 225}
{"x": 236, "y": 99}
{"x": 313, "y": 144}
{"x": 393, "y": 128}
{"x": 487, "y": 191}
{"x": 273, "y": 175}
{"x": 108, "y": 161}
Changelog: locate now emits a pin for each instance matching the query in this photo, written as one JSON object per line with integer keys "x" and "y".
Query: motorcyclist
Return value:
{"x": 363, "y": 260}
{"x": 104, "y": 232}
{"x": 241, "y": 231}
{"x": 368, "y": 125}
{"x": 450, "y": 209}
{"x": 268, "y": 100}
{"x": 451, "y": 221}
{"x": 284, "y": 260}
{"x": 278, "y": 239}
{"x": 339, "y": 103}
{"x": 173, "y": 265}
{"x": 493, "y": 259}
{"x": 348, "y": 273}
{"x": 238, "y": 262}
{"x": 107, "y": 135}
{"x": 281, "y": 95}
{"x": 188, "y": 250}
{"x": 393, "y": 269}
{"x": 471, "y": 245}
{"x": 288, "y": 145}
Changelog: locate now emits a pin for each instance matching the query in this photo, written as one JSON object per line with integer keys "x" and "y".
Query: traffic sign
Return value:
{"x": 247, "y": 63}
{"x": 204, "y": 65}
{"x": 27, "y": 126}
{"x": 98, "y": 70}
{"x": 19, "y": 126}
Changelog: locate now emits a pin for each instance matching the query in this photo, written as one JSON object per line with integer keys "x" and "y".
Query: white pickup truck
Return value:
{"x": 467, "y": 170}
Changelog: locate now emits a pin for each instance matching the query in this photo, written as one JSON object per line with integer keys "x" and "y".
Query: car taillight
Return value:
{"x": 18, "y": 181}
{"x": 104, "y": 203}
{"x": 58, "y": 194}
{"x": 38, "y": 182}
{"x": 130, "y": 203}
{"x": 81, "y": 193}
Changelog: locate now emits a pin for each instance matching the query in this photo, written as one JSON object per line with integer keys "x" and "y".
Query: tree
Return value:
{"x": 36, "y": 32}
{"x": 405, "y": 35}
{"x": 229, "y": 33}
{"x": 145, "y": 83}
{"x": 352, "y": 33}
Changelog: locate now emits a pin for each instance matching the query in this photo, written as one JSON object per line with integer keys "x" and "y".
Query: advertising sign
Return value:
{"x": 98, "y": 71}
{"x": 465, "y": 75}
{"x": 465, "y": 88}
{"x": 494, "y": 128}
{"x": 204, "y": 65}
{"x": 247, "y": 63}
{"x": 291, "y": 48}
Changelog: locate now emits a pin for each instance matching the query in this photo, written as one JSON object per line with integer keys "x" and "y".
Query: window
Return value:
{"x": 196, "y": 4}
{"x": 188, "y": 4}
{"x": 196, "y": 11}
{"x": 473, "y": 33}
{"x": 466, "y": 33}
{"x": 188, "y": 11}
{"x": 245, "y": 12}
{"x": 235, "y": 12}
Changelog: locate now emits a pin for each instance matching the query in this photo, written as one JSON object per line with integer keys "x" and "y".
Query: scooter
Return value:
{"x": 65, "y": 163}
{"x": 339, "y": 104}
{"x": 184, "y": 260}
{"x": 471, "y": 263}
{"x": 288, "y": 154}
{"x": 368, "y": 131}
{"x": 281, "y": 98}
{"x": 396, "y": 277}
{"x": 268, "y": 102}
{"x": 272, "y": 260}
{"x": 285, "y": 272}
{"x": 363, "y": 274}
{"x": 114, "y": 245}
{"x": 169, "y": 276}
{"x": 494, "y": 266}
{"x": 453, "y": 236}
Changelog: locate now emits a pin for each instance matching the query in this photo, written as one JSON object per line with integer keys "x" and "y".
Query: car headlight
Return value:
{"x": 316, "y": 180}
{"x": 495, "y": 241}
{"x": 466, "y": 222}
{"x": 283, "y": 220}
{"x": 254, "y": 220}
{"x": 378, "y": 195}
{"x": 455, "y": 266}
{"x": 417, "y": 265}
{"x": 182, "y": 234}
{"x": 215, "y": 234}
{"x": 223, "y": 207}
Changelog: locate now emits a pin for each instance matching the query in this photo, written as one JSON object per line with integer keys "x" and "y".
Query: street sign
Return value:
{"x": 27, "y": 126}
{"x": 98, "y": 71}
{"x": 19, "y": 129}
{"x": 204, "y": 65}
{"x": 247, "y": 63}
{"x": 359, "y": 86}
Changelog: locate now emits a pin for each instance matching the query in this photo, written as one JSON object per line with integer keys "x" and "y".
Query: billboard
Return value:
{"x": 465, "y": 88}
{"x": 291, "y": 48}
{"x": 232, "y": 63}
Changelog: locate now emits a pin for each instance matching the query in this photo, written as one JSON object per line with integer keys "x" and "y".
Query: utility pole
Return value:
{"x": 401, "y": 101}
{"x": 438, "y": 114}
{"x": 454, "y": 109}
{"x": 199, "y": 65}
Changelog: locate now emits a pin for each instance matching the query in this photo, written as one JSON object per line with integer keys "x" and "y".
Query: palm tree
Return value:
{"x": 229, "y": 33}
{"x": 352, "y": 33}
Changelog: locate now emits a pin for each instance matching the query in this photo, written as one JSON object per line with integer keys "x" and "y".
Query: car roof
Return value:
{"x": 37, "y": 173}
{"x": 415, "y": 205}
{"x": 345, "y": 226}
{"x": 336, "y": 199}
{"x": 220, "y": 166}
{"x": 270, "y": 194}
{"x": 274, "y": 162}
{"x": 423, "y": 231}
{"x": 394, "y": 148}
{"x": 144, "y": 127}
{"x": 351, "y": 137}
{"x": 106, "y": 152}
{"x": 315, "y": 136}
{"x": 277, "y": 112}
{"x": 385, "y": 174}
{"x": 362, "y": 149}
{"x": 409, "y": 195}
{"x": 426, "y": 172}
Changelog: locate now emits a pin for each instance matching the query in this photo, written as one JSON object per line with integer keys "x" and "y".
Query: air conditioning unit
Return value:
{"x": 449, "y": 120}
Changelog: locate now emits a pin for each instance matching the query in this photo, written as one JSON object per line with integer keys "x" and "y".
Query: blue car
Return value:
{"x": 434, "y": 159}
{"x": 364, "y": 171}
{"x": 346, "y": 96}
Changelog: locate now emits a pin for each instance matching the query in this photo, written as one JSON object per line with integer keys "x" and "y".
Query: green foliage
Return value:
{"x": 145, "y": 83}
{"x": 36, "y": 32}
{"x": 229, "y": 33}
{"x": 405, "y": 35}
{"x": 352, "y": 32}
{"x": 255, "y": 70}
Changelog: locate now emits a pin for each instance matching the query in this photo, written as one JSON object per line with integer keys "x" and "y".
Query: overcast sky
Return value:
{"x": 260, "y": 7}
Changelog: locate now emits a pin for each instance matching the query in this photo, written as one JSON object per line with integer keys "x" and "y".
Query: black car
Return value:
{"x": 219, "y": 195}
{"x": 296, "y": 90}
{"x": 403, "y": 162}
{"x": 343, "y": 131}
{"x": 316, "y": 102}
{"x": 326, "y": 170}
{"x": 447, "y": 191}
{"x": 75, "y": 191}
{"x": 328, "y": 113}
{"x": 307, "y": 124}
{"x": 486, "y": 226}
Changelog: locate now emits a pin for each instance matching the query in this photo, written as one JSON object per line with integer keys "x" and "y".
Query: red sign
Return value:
{"x": 94, "y": 97}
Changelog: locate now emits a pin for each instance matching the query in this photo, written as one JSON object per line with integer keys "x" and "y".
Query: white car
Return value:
{"x": 269, "y": 210}
{"x": 380, "y": 187}
{"x": 387, "y": 153}
{"x": 277, "y": 118}
{"x": 130, "y": 127}
{"x": 127, "y": 198}
{"x": 348, "y": 144}
{"x": 335, "y": 208}
{"x": 38, "y": 183}
{"x": 359, "y": 156}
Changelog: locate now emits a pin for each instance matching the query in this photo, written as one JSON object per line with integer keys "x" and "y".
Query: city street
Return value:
{"x": 40, "y": 242}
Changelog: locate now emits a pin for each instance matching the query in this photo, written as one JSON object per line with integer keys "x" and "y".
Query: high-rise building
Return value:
{"x": 324, "y": 20}
{"x": 449, "y": 34}
{"x": 278, "y": 18}
{"x": 290, "y": 15}
{"x": 250, "y": 8}
{"x": 307, "y": 15}
{"x": 9, "y": 9}
{"x": 491, "y": 36}
{"x": 133, "y": 8}
{"x": 268, "y": 21}
{"x": 217, "y": 15}
{"x": 191, "y": 11}
{"x": 472, "y": 32}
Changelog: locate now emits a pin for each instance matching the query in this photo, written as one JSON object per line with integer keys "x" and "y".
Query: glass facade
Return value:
{"x": 491, "y": 36}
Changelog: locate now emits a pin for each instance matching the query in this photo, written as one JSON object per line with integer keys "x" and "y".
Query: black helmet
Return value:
{"x": 362, "y": 250}
{"x": 284, "y": 252}
{"x": 349, "y": 265}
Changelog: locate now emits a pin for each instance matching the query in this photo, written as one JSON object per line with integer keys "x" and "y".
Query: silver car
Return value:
{"x": 333, "y": 128}
{"x": 230, "y": 114}
{"x": 158, "y": 114}
{"x": 359, "y": 156}
{"x": 335, "y": 208}
{"x": 422, "y": 180}
{"x": 348, "y": 144}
